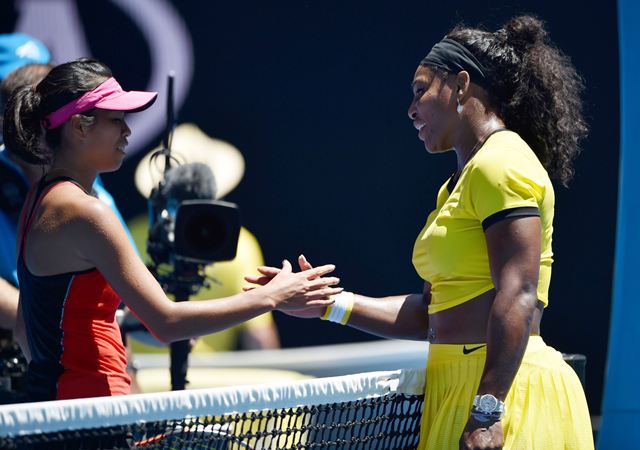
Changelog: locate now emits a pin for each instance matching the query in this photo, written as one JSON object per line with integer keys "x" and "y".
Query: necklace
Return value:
{"x": 456, "y": 175}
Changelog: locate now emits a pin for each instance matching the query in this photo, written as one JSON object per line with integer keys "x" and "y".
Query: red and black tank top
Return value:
{"x": 74, "y": 339}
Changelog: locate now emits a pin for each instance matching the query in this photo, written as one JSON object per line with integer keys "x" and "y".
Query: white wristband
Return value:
{"x": 340, "y": 310}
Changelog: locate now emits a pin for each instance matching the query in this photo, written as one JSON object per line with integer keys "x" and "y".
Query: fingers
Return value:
{"x": 320, "y": 302}
{"x": 323, "y": 294}
{"x": 255, "y": 279}
{"x": 319, "y": 271}
{"x": 303, "y": 263}
{"x": 319, "y": 283}
{"x": 286, "y": 266}
{"x": 269, "y": 271}
{"x": 309, "y": 308}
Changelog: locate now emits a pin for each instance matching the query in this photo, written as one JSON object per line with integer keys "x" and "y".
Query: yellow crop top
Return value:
{"x": 503, "y": 179}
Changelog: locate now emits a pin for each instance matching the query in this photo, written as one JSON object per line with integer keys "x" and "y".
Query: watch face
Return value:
{"x": 488, "y": 403}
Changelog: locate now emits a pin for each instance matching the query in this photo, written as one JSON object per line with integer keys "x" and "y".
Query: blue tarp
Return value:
{"x": 621, "y": 405}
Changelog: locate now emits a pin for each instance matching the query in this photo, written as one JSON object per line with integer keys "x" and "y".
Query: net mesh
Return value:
{"x": 388, "y": 417}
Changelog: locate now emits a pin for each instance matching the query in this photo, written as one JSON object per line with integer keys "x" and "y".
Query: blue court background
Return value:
{"x": 621, "y": 405}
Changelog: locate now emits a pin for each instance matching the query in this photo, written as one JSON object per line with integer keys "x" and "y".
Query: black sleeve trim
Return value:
{"x": 523, "y": 211}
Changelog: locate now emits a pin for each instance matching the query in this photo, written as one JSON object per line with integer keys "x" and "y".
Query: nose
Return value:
{"x": 412, "y": 112}
{"x": 125, "y": 129}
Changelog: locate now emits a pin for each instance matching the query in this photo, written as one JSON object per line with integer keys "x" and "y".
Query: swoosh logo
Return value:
{"x": 466, "y": 350}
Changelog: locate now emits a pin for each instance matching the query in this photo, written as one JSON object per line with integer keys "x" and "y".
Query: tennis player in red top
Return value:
{"x": 75, "y": 262}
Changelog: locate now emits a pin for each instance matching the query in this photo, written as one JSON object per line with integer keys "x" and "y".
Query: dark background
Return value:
{"x": 315, "y": 93}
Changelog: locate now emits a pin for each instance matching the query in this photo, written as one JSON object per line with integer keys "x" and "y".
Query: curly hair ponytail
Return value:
{"x": 535, "y": 89}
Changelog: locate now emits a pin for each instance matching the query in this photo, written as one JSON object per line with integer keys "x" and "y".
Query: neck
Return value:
{"x": 474, "y": 136}
{"x": 82, "y": 176}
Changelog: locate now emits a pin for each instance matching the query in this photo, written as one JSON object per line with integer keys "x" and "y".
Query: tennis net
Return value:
{"x": 377, "y": 410}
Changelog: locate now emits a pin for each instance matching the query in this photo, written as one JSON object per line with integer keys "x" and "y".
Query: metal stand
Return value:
{"x": 179, "y": 352}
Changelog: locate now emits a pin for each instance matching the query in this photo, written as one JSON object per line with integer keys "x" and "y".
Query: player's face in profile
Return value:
{"x": 432, "y": 109}
{"x": 107, "y": 139}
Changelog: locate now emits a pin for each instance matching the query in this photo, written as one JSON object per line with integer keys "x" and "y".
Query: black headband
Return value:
{"x": 451, "y": 56}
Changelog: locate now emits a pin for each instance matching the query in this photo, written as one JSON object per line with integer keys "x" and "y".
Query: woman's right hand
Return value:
{"x": 305, "y": 289}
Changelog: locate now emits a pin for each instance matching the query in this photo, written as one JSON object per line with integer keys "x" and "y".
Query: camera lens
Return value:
{"x": 205, "y": 231}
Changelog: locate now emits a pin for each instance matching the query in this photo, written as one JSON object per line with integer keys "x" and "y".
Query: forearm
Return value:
{"x": 399, "y": 317}
{"x": 507, "y": 337}
{"x": 183, "y": 320}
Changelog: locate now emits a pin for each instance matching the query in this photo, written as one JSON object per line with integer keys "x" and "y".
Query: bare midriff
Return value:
{"x": 467, "y": 323}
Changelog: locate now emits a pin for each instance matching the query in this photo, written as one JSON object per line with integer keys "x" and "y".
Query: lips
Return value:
{"x": 420, "y": 126}
{"x": 122, "y": 147}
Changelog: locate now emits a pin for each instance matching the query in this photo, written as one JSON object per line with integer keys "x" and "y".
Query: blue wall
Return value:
{"x": 621, "y": 406}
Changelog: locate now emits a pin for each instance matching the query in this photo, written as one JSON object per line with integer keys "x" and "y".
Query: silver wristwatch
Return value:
{"x": 487, "y": 408}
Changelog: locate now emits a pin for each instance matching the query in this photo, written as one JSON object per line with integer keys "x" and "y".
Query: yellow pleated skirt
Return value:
{"x": 546, "y": 407}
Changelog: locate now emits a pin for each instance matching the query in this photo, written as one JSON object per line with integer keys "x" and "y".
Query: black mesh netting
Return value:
{"x": 387, "y": 423}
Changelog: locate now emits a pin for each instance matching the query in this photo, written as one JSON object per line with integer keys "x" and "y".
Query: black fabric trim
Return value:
{"x": 451, "y": 184}
{"x": 522, "y": 211}
{"x": 44, "y": 183}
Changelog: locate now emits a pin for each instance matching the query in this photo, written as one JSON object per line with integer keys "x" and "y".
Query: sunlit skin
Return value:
{"x": 433, "y": 113}
{"x": 88, "y": 150}
{"x": 430, "y": 110}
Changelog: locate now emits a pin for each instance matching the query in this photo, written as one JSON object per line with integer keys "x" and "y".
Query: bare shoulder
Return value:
{"x": 70, "y": 230}
{"x": 72, "y": 206}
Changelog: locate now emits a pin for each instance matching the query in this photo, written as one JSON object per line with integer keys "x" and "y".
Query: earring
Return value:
{"x": 459, "y": 107}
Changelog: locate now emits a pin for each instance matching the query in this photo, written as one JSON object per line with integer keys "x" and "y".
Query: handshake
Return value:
{"x": 305, "y": 294}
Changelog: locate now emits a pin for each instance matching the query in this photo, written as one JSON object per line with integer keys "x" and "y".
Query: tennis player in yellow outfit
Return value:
{"x": 508, "y": 103}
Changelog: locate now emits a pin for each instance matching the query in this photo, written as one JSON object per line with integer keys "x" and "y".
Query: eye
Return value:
{"x": 418, "y": 91}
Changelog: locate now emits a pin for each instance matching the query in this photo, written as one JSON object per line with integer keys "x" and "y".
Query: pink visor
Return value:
{"x": 107, "y": 95}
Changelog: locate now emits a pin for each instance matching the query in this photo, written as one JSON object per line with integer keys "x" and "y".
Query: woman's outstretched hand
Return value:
{"x": 308, "y": 310}
{"x": 291, "y": 291}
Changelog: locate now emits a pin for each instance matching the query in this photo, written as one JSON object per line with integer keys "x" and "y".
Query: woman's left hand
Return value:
{"x": 482, "y": 436}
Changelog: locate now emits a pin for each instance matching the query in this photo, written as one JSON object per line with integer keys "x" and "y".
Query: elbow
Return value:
{"x": 165, "y": 331}
{"x": 163, "y": 325}
{"x": 528, "y": 296}
{"x": 162, "y": 334}
{"x": 518, "y": 303}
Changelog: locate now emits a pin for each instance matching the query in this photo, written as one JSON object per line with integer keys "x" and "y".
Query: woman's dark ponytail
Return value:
{"x": 23, "y": 131}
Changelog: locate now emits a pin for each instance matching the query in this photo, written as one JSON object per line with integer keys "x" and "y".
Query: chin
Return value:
{"x": 111, "y": 168}
{"x": 433, "y": 150}
{"x": 435, "y": 147}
